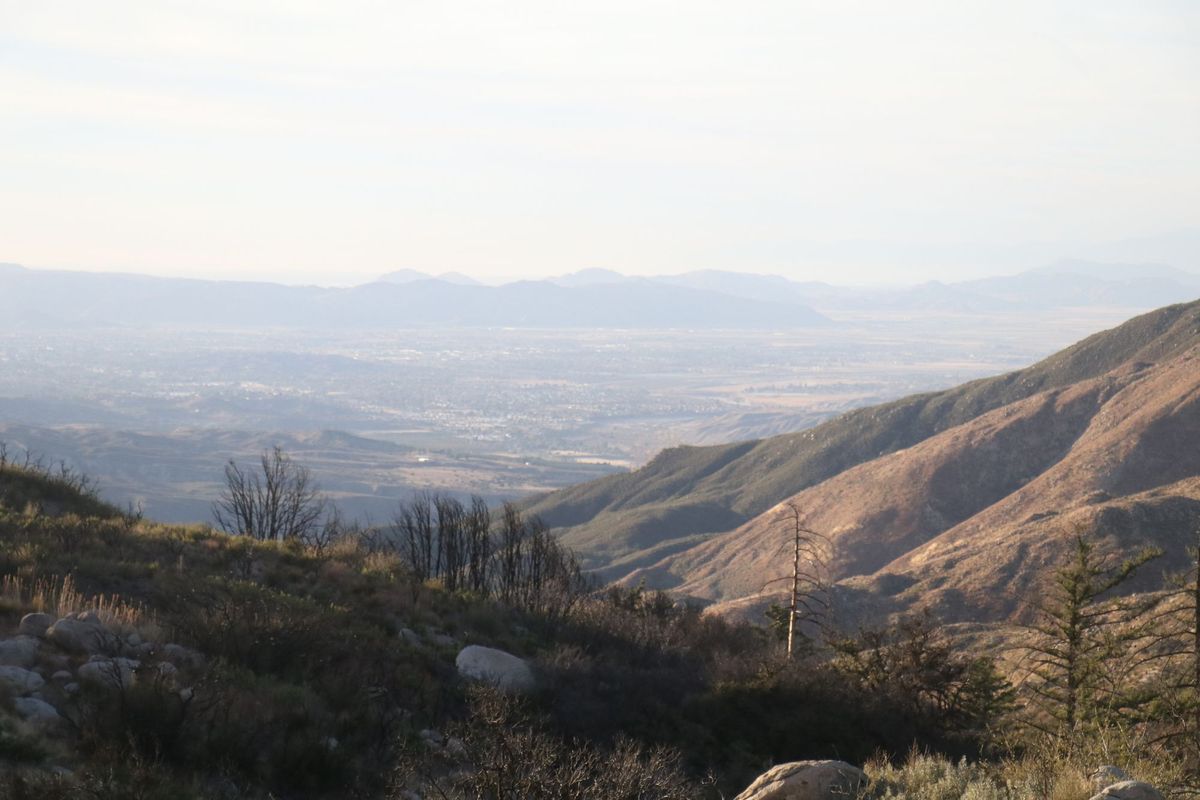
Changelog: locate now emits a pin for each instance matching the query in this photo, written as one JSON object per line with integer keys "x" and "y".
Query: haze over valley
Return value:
{"x": 135, "y": 392}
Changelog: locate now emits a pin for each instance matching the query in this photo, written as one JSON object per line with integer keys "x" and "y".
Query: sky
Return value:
{"x": 848, "y": 141}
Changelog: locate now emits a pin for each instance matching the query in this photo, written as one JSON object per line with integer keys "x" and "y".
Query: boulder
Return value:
{"x": 807, "y": 780}
{"x": 108, "y": 673}
{"x": 410, "y": 637}
{"x": 80, "y": 636}
{"x": 36, "y": 711}
{"x": 1106, "y": 775}
{"x": 21, "y": 651}
{"x": 35, "y": 624}
{"x": 181, "y": 656}
{"x": 20, "y": 681}
{"x": 1130, "y": 790}
{"x": 495, "y": 667}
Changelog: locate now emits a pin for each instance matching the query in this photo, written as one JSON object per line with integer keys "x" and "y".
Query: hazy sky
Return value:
{"x": 330, "y": 142}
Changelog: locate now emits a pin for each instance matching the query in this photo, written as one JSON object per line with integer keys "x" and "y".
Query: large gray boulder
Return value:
{"x": 21, "y": 651}
{"x": 496, "y": 668}
{"x": 20, "y": 681}
{"x": 79, "y": 635}
{"x": 36, "y": 711}
{"x": 807, "y": 780}
{"x": 108, "y": 673}
{"x": 1130, "y": 790}
{"x": 35, "y": 624}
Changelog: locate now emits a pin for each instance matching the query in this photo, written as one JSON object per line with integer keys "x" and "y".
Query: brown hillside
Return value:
{"x": 623, "y": 522}
{"x": 968, "y": 519}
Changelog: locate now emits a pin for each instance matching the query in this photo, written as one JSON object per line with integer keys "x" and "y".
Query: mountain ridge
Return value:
{"x": 632, "y": 526}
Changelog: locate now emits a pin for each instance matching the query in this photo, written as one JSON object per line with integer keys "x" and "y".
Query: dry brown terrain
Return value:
{"x": 972, "y": 520}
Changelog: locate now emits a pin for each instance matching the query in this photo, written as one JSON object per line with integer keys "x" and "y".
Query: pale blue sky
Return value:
{"x": 330, "y": 142}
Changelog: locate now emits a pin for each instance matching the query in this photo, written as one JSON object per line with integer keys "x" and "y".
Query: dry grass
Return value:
{"x": 1046, "y": 770}
{"x": 59, "y": 597}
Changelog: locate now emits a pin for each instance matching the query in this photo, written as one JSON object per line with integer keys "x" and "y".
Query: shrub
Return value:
{"x": 501, "y": 752}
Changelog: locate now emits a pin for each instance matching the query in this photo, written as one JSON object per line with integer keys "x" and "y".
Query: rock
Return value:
{"x": 1130, "y": 790}
{"x": 807, "y": 780}
{"x": 62, "y": 676}
{"x": 54, "y": 661}
{"x": 1106, "y": 775}
{"x": 181, "y": 656}
{"x": 134, "y": 639}
{"x": 35, "y": 624}
{"x": 36, "y": 711}
{"x": 109, "y": 673}
{"x": 19, "y": 652}
{"x": 500, "y": 669}
{"x": 20, "y": 681}
{"x": 71, "y": 688}
{"x": 410, "y": 637}
{"x": 430, "y": 736}
{"x": 80, "y": 636}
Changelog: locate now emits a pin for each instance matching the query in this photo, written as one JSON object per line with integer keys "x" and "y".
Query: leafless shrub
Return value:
{"x": 501, "y": 752}
{"x": 279, "y": 502}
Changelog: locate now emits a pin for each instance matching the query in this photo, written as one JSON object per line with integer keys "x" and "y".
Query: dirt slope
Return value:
{"x": 971, "y": 520}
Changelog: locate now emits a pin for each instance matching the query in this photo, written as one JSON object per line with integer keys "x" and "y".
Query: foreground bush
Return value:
{"x": 502, "y": 752}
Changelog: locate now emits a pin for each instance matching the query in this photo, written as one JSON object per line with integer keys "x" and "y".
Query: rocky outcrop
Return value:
{"x": 807, "y": 780}
{"x": 506, "y": 672}
{"x": 1130, "y": 790}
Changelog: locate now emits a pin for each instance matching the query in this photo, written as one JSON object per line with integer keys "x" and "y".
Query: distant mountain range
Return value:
{"x": 961, "y": 500}
{"x": 1064, "y": 284}
{"x": 60, "y": 299}
{"x": 592, "y": 298}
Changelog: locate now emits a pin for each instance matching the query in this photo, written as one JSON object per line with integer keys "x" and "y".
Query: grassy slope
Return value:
{"x": 304, "y": 689}
{"x": 703, "y": 490}
{"x": 303, "y": 646}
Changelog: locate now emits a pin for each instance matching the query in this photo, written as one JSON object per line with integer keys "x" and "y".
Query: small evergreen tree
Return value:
{"x": 1077, "y": 634}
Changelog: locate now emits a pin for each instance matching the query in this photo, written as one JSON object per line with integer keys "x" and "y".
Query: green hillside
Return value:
{"x": 624, "y": 521}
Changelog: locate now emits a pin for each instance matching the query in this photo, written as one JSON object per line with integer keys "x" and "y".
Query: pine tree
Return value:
{"x": 1078, "y": 633}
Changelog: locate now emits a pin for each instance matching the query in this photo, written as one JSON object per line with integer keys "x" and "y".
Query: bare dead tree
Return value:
{"x": 451, "y": 547}
{"x": 278, "y": 502}
{"x": 478, "y": 529}
{"x": 809, "y": 598}
{"x": 509, "y": 554}
{"x": 415, "y": 531}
